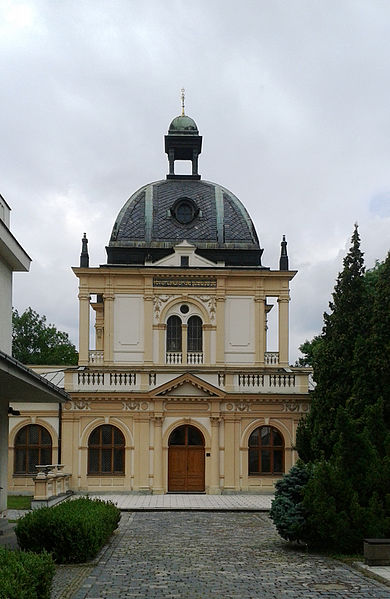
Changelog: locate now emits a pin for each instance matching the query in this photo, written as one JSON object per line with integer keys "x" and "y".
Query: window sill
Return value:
{"x": 104, "y": 474}
{"x": 267, "y": 474}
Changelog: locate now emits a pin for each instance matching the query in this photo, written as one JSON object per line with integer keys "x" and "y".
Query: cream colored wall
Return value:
{"x": 5, "y": 308}
{"x": 232, "y": 309}
{"x": 128, "y": 335}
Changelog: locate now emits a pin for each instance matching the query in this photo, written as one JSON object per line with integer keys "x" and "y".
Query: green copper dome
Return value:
{"x": 183, "y": 125}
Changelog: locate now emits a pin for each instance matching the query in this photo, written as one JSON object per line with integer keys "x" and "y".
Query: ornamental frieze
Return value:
{"x": 209, "y": 302}
{"x": 243, "y": 405}
{"x": 82, "y": 405}
{"x": 184, "y": 281}
{"x": 299, "y": 408}
{"x": 134, "y": 406}
{"x": 158, "y": 303}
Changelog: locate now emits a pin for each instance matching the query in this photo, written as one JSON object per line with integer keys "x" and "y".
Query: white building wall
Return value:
{"x": 128, "y": 328}
{"x": 5, "y": 308}
{"x": 239, "y": 330}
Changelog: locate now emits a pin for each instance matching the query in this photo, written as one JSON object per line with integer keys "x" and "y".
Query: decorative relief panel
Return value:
{"x": 184, "y": 281}
{"x": 78, "y": 405}
{"x": 129, "y": 405}
{"x": 237, "y": 406}
{"x": 209, "y": 302}
{"x": 158, "y": 303}
{"x": 300, "y": 408}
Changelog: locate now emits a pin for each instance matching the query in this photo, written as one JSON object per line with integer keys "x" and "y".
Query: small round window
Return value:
{"x": 184, "y": 309}
{"x": 184, "y": 210}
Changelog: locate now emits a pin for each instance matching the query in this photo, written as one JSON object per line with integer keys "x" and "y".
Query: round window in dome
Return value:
{"x": 184, "y": 210}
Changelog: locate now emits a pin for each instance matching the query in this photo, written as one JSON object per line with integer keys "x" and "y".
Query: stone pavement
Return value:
{"x": 199, "y": 555}
{"x": 189, "y": 501}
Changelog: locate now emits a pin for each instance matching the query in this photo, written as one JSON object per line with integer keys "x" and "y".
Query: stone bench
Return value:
{"x": 377, "y": 552}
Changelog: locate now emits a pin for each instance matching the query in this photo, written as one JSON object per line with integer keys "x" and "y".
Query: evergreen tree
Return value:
{"x": 335, "y": 357}
{"x": 379, "y": 342}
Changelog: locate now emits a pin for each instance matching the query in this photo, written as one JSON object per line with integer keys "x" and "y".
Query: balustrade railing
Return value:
{"x": 96, "y": 356}
{"x": 107, "y": 380}
{"x": 50, "y": 485}
{"x": 174, "y": 357}
{"x": 264, "y": 381}
{"x": 271, "y": 358}
{"x": 195, "y": 357}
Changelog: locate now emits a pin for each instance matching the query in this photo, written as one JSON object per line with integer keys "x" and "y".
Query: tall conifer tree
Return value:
{"x": 335, "y": 359}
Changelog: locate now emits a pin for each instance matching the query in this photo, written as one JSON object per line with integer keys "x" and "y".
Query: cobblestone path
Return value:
{"x": 215, "y": 555}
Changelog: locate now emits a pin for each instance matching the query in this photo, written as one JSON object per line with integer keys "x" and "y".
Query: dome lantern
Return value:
{"x": 183, "y": 142}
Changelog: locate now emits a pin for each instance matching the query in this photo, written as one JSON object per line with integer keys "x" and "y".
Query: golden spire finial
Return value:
{"x": 183, "y": 95}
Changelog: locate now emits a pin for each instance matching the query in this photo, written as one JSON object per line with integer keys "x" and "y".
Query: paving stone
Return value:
{"x": 219, "y": 555}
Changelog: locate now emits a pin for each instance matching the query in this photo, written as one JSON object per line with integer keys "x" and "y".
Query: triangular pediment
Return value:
{"x": 188, "y": 385}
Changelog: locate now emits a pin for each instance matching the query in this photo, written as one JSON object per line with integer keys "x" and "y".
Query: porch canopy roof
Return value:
{"x": 20, "y": 384}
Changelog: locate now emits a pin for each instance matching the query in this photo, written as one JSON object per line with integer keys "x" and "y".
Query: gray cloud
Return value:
{"x": 291, "y": 97}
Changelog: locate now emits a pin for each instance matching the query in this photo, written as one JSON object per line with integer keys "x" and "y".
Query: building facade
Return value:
{"x": 19, "y": 386}
{"x": 179, "y": 392}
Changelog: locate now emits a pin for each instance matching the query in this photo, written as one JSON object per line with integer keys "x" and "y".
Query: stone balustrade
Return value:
{"x": 51, "y": 485}
{"x": 286, "y": 382}
{"x": 96, "y": 357}
{"x": 173, "y": 357}
{"x": 263, "y": 380}
{"x": 271, "y": 358}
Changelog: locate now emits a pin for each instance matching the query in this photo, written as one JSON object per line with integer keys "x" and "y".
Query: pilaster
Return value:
{"x": 283, "y": 330}
{"x": 158, "y": 456}
{"x": 83, "y": 328}
{"x": 108, "y": 327}
{"x": 214, "y": 488}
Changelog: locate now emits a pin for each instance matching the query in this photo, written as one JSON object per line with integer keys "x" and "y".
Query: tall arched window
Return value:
{"x": 174, "y": 334}
{"x": 106, "y": 451}
{"x": 33, "y": 446}
{"x": 194, "y": 334}
{"x": 266, "y": 451}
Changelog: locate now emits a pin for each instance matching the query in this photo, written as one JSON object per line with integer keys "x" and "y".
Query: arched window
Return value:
{"x": 33, "y": 446}
{"x": 266, "y": 451}
{"x": 194, "y": 334}
{"x": 106, "y": 451}
{"x": 174, "y": 334}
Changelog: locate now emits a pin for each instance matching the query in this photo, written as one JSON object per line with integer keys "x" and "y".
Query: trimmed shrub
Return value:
{"x": 25, "y": 575}
{"x": 287, "y": 511}
{"x": 73, "y": 531}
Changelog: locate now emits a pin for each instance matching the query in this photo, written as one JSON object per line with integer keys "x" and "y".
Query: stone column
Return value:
{"x": 148, "y": 329}
{"x": 161, "y": 342}
{"x": 184, "y": 329}
{"x": 108, "y": 327}
{"x": 259, "y": 331}
{"x": 283, "y": 331}
{"x": 83, "y": 328}
{"x": 214, "y": 488}
{"x": 142, "y": 448}
{"x": 220, "y": 315}
{"x": 230, "y": 453}
{"x": 207, "y": 343}
{"x": 3, "y": 454}
{"x": 158, "y": 461}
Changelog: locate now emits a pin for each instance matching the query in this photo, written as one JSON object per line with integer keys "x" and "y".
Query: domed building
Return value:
{"x": 180, "y": 391}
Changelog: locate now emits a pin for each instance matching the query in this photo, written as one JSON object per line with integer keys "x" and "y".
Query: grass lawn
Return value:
{"x": 19, "y": 502}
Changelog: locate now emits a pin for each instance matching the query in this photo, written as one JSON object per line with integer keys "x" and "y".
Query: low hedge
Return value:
{"x": 73, "y": 531}
{"x": 25, "y": 575}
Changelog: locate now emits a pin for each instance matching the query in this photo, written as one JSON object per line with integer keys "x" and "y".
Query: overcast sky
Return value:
{"x": 292, "y": 99}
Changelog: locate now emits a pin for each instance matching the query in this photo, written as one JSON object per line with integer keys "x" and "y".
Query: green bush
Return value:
{"x": 73, "y": 531}
{"x": 25, "y": 575}
{"x": 287, "y": 511}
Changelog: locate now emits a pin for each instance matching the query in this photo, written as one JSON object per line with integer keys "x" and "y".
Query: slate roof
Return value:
{"x": 146, "y": 219}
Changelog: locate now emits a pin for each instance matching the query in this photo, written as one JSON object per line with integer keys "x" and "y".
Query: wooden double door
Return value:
{"x": 186, "y": 460}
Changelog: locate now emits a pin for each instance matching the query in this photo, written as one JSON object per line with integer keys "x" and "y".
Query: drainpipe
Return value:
{"x": 59, "y": 433}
